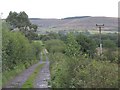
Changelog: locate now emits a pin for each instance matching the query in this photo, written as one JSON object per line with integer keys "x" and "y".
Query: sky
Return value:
{"x": 60, "y": 8}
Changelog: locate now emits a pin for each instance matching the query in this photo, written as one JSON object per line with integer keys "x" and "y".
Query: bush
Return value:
{"x": 60, "y": 76}
{"x": 16, "y": 49}
{"x": 96, "y": 74}
{"x": 82, "y": 72}
{"x": 55, "y": 45}
{"x": 111, "y": 55}
{"x": 88, "y": 46}
{"x": 37, "y": 47}
{"x": 109, "y": 44}
{"x": 72, "y": 47}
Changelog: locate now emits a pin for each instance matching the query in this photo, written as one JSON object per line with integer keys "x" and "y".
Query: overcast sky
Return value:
{"x": 60, "y": 8}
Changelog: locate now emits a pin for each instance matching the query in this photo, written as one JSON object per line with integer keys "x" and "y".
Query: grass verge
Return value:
{"x": 8, "y": 75}
{"x": 31, "y": 78}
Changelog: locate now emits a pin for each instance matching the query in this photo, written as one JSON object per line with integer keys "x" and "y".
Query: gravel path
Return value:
{"x": 41, "y": 81}
{"x": 43, "y": 77}
{"x": 18, "y": 81}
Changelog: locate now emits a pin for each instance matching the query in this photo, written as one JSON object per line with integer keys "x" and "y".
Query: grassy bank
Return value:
{"x": 29, "y": 83}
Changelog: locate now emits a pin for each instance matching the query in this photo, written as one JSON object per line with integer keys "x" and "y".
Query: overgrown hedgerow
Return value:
{"x": 17, "y": 50}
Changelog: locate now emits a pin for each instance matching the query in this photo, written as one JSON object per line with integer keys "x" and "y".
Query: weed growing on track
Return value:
{"x": 31, "y": 78}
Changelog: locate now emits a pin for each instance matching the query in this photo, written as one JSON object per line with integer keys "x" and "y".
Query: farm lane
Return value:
{"x": 44, "y": 76}
{"x": 19, "y": 80}
{"x": 41, "y": 81}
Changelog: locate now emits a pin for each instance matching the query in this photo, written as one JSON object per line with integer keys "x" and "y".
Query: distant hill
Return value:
{"x": 34, "y": 18}
{"x": 76, "y": 23}
{"x": 77, "y": 17}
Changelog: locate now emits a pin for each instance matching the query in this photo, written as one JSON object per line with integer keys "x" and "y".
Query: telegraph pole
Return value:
{"x": 100, "y": 26}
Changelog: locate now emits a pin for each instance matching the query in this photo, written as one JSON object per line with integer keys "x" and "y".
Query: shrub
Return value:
{"x": 16, "y": 49}
{"x": 82, "y": 72}
{"x": 55, "y": 45}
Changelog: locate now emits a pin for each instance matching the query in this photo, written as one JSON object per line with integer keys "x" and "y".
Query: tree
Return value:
{"x": 88, "y": 46}
{"x": 18, "y": 19}
{"x": 72, "y": 47}
{"x": 22, "y": 22}
{"x": 12, "y": 19}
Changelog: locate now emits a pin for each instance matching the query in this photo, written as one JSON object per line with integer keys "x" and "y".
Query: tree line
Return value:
{"x": 19, "y": 51}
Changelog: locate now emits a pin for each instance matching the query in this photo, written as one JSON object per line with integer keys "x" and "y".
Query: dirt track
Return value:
{"x": 41, "y": 81}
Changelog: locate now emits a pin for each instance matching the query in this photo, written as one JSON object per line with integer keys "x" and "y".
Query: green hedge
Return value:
{"x": 17, "y": 50}
{"x": 81, "y": 72}
{"x": 55, "y": 45}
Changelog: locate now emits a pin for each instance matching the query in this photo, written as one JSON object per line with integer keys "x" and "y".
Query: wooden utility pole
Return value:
{"x": 100, "y": 26}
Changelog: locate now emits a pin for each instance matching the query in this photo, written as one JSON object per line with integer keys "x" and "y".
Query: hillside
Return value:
{"x": 76, "y": 23}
